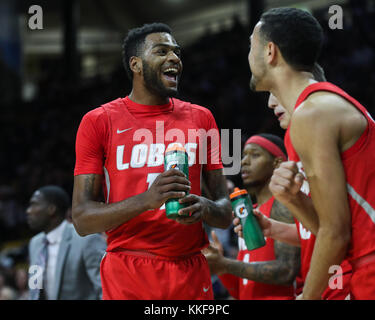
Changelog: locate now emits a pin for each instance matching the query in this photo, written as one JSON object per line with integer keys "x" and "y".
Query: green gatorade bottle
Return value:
{"x": 177, "y": 158}
{"x": 243, "y": 209}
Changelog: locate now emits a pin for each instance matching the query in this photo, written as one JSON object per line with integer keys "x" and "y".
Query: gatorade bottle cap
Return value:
{"x": 237, "y": 192}
{"x": 175, "y": 147}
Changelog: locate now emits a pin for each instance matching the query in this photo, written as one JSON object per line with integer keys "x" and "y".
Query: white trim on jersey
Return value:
{"x": 362, "y": 202}
{"x": 107, "y": 182}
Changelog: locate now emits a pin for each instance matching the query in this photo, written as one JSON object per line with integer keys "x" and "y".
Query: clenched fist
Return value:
{"x": 286, "y": 182}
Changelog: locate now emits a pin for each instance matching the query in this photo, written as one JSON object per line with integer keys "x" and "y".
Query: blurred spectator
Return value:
{"x": 69, "y": 263}
{"x": 21, "y": 279}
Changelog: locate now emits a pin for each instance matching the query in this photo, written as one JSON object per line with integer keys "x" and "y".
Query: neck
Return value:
{"x": 288, "y": 85}
{"x": 142, "y": 95}
{"x": 262, "y": 193}
{"x": 54, "y": 224}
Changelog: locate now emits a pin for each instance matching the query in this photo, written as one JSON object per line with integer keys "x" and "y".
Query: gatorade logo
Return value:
{"x": 173, "y": 165}
{"x": 241, "y": 211}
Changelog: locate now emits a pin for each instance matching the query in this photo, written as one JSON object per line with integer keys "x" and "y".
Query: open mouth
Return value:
{"x": 171, "y": 74}
{"x": 244, "y": 174}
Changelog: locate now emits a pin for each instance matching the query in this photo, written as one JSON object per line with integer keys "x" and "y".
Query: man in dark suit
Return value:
{"x": 63, "y": 265}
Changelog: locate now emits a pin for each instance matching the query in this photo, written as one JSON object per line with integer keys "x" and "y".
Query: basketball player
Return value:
{"x": 266, "y": 273}
{"x": 120, "y": 146}
{"x": 296, "y": 234}
{"x": 339, "y": 287}
{"x": 330, "y": 136}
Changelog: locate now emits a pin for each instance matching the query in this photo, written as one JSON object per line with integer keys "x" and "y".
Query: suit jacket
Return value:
{"x": 77, "y": 267}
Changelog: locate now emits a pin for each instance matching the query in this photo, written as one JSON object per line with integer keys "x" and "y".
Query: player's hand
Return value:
{"x": 286, "y": 182}
{"x": 264, "y": 222}
{"x": 237, "y": 227}
{"x": 214, "y": 254}
{"x": 167, "y": 185}
{"x": 195, "y": 210}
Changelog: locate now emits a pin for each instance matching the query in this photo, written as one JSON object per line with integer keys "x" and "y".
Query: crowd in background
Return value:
{"x": 38, "y": 137}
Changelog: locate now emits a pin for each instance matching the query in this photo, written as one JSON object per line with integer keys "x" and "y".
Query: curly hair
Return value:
{"x": 134, "y": 41}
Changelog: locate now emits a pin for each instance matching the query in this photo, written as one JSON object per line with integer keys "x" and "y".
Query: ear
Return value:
{"x": 135, "y": 64}
{"x": 277, "y": 162}
{"x": 272, "y": 52}
{"x": 51, "y": 209}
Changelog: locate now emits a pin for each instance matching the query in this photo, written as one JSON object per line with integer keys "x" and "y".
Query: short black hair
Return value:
{"x": 276, "y": 140}
{"x": 134, "y": 41}
{"x": 57, "y": 196}
{"x": 297, "y": 33}
{"x": 318, "y": 73}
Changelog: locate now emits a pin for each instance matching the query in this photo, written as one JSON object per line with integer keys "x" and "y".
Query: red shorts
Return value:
{"x": 362, "y": 285}
{"x": 138, "y": 275}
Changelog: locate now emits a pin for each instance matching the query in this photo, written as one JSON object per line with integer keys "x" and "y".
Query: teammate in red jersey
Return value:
{"x": 339, "y": 288}
{"x": 331, "y": 137}
{"x": 266, "y": 273}
{"x": 120, "y": 146}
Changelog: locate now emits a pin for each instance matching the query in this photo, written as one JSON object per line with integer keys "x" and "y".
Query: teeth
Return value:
{"x": 171, "y": 70}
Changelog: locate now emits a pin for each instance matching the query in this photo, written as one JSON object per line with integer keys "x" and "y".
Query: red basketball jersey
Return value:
{"x": 244, "y": 289}
{"x": 129, "y": 151}
{"x": 358, "y": 162}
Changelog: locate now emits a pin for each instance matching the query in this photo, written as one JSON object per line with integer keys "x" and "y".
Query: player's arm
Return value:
{"x": 217, "y": 212}
{"x": 281, "y": 271}
{"x": 285, "y": 186}
{"x": 281, "y": 231}
{"x": 284, "y": 228}
{"x": 91, "y": 216}
{"x": 315, "y": 135}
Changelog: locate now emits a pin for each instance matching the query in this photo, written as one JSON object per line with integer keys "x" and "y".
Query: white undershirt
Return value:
{"x": 54, "y": 238}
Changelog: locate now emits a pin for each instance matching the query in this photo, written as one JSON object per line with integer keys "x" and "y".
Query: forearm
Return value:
{"x": 218, "y": 213}
{"x": 330, "y": 249}
{"x": 285, "y": 232}
{"x": 302, "y": 208}
{"x": 273, "y": 272}
{"x": 93, "y": 217}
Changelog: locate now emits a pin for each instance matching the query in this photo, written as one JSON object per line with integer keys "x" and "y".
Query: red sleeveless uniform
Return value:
{"x": 125, "y": 142}
{"x": 359, "y": 165}
{"x": 244, "y": 289}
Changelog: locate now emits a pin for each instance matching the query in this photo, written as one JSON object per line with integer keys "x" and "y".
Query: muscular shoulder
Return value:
{"x": 201, "y": 111}
{"x": 101, "y": 113}
{"x": 321, "y": 106}
{"x": 95, "y": 115}
{"x": 326, "y": 114}
{"x": 197, "y": 110}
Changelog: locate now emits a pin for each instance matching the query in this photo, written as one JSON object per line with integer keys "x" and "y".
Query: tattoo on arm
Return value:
{"x": 280, "y": 213}
{"x": 88, "y": 183}
{"x": 216, "y": 184}
{"x": 219, "y": 210}
{"x": 282, "y": 270}
{"x": 92, "y": 188}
